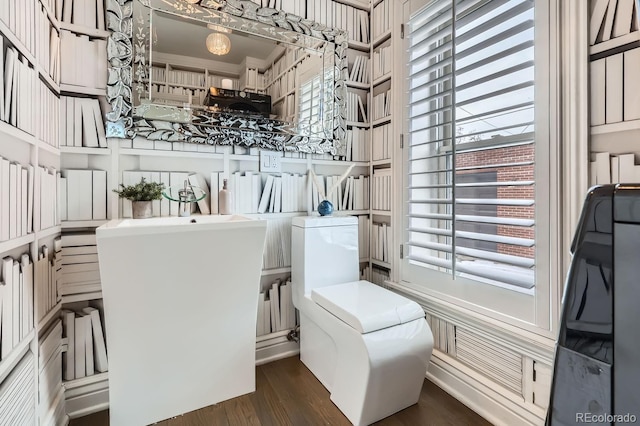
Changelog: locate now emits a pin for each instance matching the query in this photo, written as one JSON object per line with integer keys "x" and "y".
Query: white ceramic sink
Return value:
{"x": 180, "y": 301}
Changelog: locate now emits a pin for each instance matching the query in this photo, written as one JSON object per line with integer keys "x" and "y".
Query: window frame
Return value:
{"x": 531, "y": 312}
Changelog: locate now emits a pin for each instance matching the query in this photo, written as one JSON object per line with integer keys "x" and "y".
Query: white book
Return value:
{"x": 603, "y": 167}
{"x": 99, "y": 194}
{"x": 30, "y": 196}
{"x": 78, "y": 124}
{"x": 4, "y": 199}
{"x": 24, "y": 199}
{"x": 626, "y": 168}
{"x": 89, "y": 130}
{"x": 256, "y": 188}
{"x": 16, "y": 302}
{"x": 632, "y": 82}
{"x": 9, "y": 64}
{"x": 99, "y": 123}
{"x": 275, "y": 307}
{"x": 100, "y": 22}
{"x": 615, "y": 169}
{"x": 199, "y": 182}
{"x": 260, "y": 319}
{"x": 266, "y": 195}
{"x": 70, "y": 127}
{"x": 79, "y": 191}
{"x": 7, "y": 307}
{"x": 624, "y": 17}
{"x": 99, "y": 346}
{"x": 13, "y": 200}
{"x": 267, "y": 317}
{"x": 62, "y": 198}
{"x": 80, "y": 336}
{"x": 27, "y": 272}
{"x": 67, "y": 10}
{"x": 78, "y": 239}
{"x": 614, "y": 89}
{"x": 278, "y": 195}
{"x": 88, "y": 345}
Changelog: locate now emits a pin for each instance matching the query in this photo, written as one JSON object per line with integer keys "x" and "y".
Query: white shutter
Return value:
{"x": 471, "y": 140}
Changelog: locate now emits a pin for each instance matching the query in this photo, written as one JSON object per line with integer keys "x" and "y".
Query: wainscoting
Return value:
{"x": 288, "y": 394}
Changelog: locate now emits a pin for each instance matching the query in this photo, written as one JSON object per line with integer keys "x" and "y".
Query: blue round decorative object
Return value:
{"x": 325, "y": 208}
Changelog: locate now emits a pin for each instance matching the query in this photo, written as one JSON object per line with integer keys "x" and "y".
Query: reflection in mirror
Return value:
{"x": 226, "y": 73}
{"x": 221, "y": 69}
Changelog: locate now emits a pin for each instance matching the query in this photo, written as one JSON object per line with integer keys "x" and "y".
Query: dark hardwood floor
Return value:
{"x": 288, "y": 394}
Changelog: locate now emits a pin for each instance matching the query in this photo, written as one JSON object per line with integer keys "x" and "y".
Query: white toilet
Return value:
{"x": 368, "y": 346}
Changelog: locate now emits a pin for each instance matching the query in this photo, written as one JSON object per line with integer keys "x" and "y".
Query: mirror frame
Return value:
{"x": 128, "y": 55}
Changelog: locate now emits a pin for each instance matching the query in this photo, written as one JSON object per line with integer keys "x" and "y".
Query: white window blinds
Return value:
{"x": 471, "y": 140}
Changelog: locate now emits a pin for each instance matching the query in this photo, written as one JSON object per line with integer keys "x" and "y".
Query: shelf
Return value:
{"x": 381, "y": 162}
{"x": 67, "y": 224}
{"x": 382, "y": 79}
{"x": 615, "y": 43}
{"x": 69, "y": 88}
{"x": 363, "y": 260}
{"x": 357, "y": 85}
{"x": 358, "y": 45}
{"x": 84, "y": 150}
{"x": 294, "y": 160}
{"x": 13, "y": 39}
{"x": 52, "y": 313}
{"x": 81, "y": 297}
{"x": 381, "y": 263}
{"x": 16, "y": 354}
{"x": 9, "y": 245}
{"x": 341, "y": 163}
{"x": 79, "y": 29}
{"x": 355, "y": 3}
{"x": 47, "y": 79}
{"x": 622, "y": 126}
{"x": 172, "y": 154}
{"x": 85, "y": 381}
{"x": 381, "y": 38}
{"x": 381, "y": 212}
{"x": 246, "y": 157}
{"x": 357, "y": 124}
{"x": 351, "y": 212}
{"x": 276, "y": 271}
{"x": 49, "y": 148}
{"x": 283, "y": 97}
{"x": 286, "y": 70}
{"x": 8, "y": 130}
{"x": 44, "y": 233}
{"x": 382, "y": 120}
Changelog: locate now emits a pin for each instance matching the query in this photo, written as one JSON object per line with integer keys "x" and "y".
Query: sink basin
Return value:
{"x": 180, "y": 304}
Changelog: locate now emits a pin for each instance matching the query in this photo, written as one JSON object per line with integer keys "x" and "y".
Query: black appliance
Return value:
{"x": 596, "y": 377}
{"x": 238, "y": 101}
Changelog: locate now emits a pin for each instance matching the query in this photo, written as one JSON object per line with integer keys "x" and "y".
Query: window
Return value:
{"x": 474, "y": 208}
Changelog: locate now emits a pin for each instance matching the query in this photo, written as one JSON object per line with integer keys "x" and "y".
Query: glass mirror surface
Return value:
{"x": 226, "y": 73}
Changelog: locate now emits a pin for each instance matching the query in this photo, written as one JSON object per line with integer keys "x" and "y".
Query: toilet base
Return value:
{"x": 370, "y": 376}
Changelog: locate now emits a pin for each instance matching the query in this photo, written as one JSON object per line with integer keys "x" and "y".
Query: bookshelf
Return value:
{"x": 30, "y": 64}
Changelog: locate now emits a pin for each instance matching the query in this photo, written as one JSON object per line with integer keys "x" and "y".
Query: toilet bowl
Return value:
{"x": 368, "y": 346}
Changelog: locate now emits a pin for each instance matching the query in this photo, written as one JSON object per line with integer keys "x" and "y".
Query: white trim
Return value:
{"x": 531, "y": 343}
{"x": 495, "y": 404}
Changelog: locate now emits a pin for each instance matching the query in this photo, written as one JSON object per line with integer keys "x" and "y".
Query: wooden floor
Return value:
{"x": 287, "y": 393}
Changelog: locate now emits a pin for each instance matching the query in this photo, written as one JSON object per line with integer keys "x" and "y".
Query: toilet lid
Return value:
{"x": 366, "y": 307}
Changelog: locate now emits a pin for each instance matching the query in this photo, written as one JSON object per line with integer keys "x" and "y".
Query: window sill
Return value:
{"x": 529, "y": 339}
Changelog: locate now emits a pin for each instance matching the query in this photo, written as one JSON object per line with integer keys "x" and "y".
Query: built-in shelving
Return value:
{"x": 172, "y": 154}
{"x": 72, "y": 89}
{"x": 381, "y": 38}
{"x": 16, "y": 354}
{"x": 79, "y": 29}
{"x": 84, "y": 150}
{"x": 81, "y": 297}
{"x": 53, "y": 312}
{"x": 68, "y": 224}
{"x": 44, "y": 233}
{"x": 9, "y": 245}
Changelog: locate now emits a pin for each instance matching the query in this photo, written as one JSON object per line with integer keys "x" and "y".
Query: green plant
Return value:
{"x": 142, "y": 191}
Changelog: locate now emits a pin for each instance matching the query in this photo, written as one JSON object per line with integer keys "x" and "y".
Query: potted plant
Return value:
{"x": 141, "y": 195}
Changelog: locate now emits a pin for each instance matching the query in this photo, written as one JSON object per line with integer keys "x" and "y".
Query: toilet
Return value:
{"x": 368, "y": 346}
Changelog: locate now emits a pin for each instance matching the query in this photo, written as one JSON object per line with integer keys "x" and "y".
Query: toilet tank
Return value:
{"x": 324, "y": 251}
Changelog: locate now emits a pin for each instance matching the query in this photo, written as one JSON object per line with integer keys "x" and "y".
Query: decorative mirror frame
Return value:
{"x": 128, "y": 55}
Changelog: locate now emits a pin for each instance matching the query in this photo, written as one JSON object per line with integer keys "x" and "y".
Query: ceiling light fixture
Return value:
{"x": 218, "y": 44}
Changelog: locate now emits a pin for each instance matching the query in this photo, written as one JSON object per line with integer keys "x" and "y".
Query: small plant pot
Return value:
{"x": 141, "y": 209}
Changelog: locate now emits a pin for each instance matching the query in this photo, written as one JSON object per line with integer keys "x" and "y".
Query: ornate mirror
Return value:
{"x": 225, "y": 72}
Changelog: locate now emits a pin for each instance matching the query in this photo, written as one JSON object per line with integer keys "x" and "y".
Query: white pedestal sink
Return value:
{"x": 180, "y": 303}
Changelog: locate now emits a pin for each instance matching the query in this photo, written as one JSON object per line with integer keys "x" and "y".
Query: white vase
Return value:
{"x": 141, "y": 209}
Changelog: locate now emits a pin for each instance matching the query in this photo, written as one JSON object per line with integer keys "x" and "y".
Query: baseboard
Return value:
{"x": 276, "y": 351}
{"x": 88, "y": 403}
{"x": 482, "y": 398}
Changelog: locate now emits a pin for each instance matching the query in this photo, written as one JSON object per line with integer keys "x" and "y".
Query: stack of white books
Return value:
{"x": 15, "y": 14}
{"x": 86, "y": 353}
{"x": 277, "y": 249}
{"x": 83, "y": 194}
{"x": 381, "y": 191}
{"x": 83, "y": 60}
{"x": 275, "y": 309}
{"x": 380, "y": 235}
{"x": 18, "y": 89}
{"x": 49, "y": 179}
{"x": 18, "y": 394}
{"x": 16, "y": 301}
{"x": 80, "y": 268}
{"x": 381, "y": 142}
{"x": 84, "y": 13}
{"x": 50, "y": 372}
{"x": 81, "y": 123}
